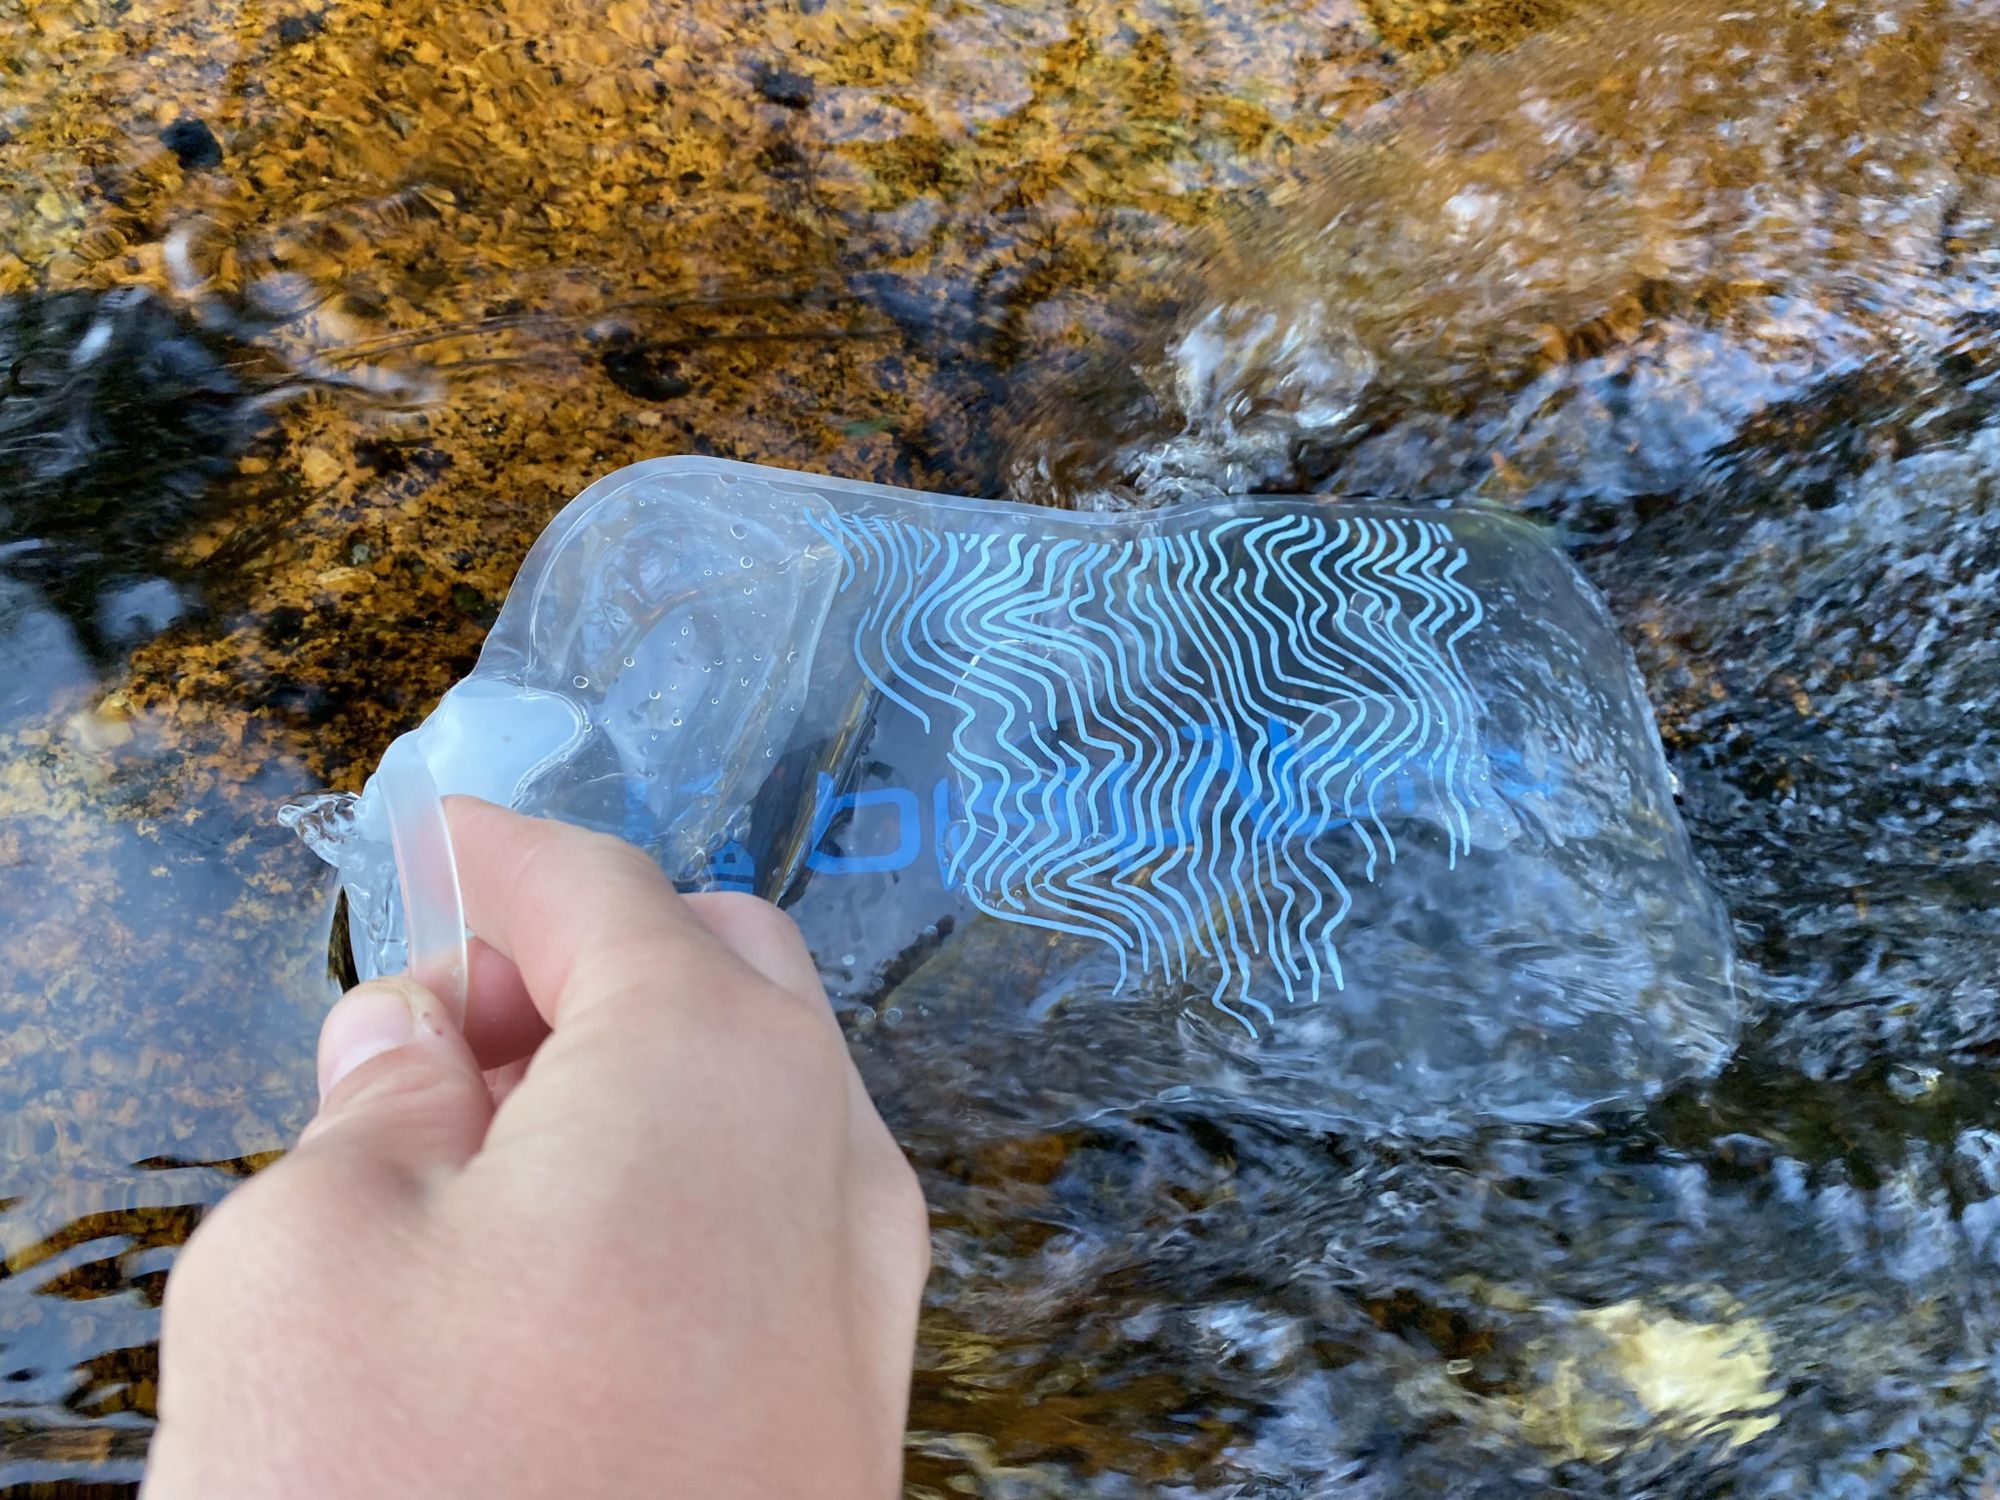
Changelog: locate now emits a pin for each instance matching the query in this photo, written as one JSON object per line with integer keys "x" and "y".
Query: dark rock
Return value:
{"x": 646, "y": 372}
{"x": 193, "y": 143}
{"x": 784, "y": 86}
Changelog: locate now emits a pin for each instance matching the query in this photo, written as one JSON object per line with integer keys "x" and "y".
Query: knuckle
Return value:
{"x": 567, "y": 855}
{"x": 531, "y": 869}
{"x": 633, "y": 958}
{"x": 907, "y": 1214}
{"x": 749, "y": 918}
{"x": 627, "y": 861}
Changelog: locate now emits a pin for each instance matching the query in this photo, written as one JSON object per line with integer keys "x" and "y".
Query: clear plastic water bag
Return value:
{"x": 1352, "y": 811}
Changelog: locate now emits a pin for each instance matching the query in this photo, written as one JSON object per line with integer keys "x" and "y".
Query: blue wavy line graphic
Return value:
{"x": 1157, "y": 741}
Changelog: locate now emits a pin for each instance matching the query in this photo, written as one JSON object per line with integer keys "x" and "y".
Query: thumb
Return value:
{"x": 398, "y": 1085}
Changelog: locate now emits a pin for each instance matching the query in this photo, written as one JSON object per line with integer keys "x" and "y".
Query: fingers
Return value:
{"x": 400, "y": 1091}
{"x": 646, "y": 1012}
{"x": 503, "y": 1025}
{"x": 590, "y": 922}
{"x": 501, "y": 1022}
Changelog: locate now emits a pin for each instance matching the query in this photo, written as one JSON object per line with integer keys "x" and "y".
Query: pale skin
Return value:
{"x": 635, "y": 1229}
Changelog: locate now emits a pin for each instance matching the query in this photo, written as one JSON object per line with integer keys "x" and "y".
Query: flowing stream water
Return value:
{"x": 313, "y": 315}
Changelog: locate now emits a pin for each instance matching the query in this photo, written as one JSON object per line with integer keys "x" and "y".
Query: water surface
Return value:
{"x": 313, "y": 316}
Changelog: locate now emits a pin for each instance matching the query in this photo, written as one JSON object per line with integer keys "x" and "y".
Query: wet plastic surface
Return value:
{"x": 1356, "y": 808}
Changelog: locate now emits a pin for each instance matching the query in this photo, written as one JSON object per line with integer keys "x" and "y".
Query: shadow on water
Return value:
{"x": 296, "y": 370}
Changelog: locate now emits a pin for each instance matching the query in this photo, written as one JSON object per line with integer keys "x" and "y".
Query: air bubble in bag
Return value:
{"x": 1349, "y": 811}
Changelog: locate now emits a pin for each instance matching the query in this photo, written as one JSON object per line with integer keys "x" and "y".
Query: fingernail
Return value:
{"x": 366, "y": 1022}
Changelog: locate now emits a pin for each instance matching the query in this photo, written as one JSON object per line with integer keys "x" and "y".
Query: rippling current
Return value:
{"x": 1711, "y": 289}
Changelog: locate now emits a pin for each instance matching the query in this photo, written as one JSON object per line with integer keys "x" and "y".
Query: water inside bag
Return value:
{"x": 1351, "y": 809}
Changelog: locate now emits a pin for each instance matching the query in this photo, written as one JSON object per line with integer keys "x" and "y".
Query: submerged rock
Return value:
{"x": 1629, "y": 1373}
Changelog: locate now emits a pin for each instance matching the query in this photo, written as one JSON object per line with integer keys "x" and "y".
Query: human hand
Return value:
{"x": 682, "y": 1257}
